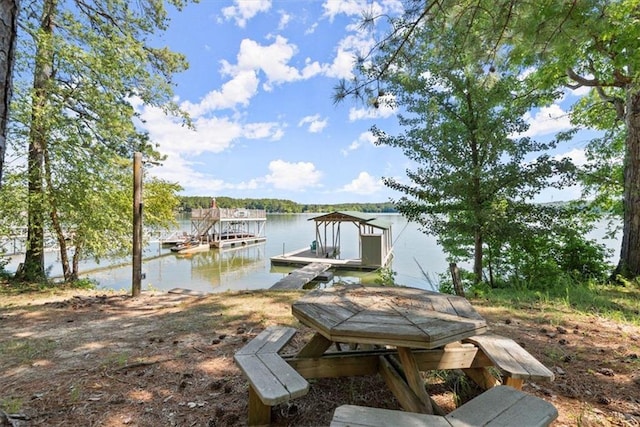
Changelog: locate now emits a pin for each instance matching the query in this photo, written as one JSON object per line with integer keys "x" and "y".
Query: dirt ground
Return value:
{"x": 93, "y": 359}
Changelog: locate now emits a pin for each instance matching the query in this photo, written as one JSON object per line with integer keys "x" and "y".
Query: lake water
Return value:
{"x": 415, "y": 254}
{"x": 250, "y": 267}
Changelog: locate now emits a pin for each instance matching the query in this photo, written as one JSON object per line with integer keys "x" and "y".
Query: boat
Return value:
{"x": 188, "y": 244}
{"x": 175, "y": 238}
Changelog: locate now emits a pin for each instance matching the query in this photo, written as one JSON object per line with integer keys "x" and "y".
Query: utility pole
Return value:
{"x": 137, "y": 225}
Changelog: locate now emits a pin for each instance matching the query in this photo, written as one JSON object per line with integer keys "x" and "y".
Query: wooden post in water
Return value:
{"x": 137, "y": 225}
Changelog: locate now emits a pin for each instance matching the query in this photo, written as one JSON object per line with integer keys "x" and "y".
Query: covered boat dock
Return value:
{"x": 375, "y": 245}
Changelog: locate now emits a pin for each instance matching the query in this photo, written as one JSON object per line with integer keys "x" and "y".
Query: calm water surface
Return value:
{"x": 249, "y": 267}
{"x": 415, "y": 254}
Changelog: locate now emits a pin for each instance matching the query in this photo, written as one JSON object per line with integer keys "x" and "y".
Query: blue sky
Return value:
{"x": 259, "y": 90}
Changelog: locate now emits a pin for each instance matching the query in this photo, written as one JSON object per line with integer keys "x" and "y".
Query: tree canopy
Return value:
{"x": 82, "y": 68}
{"x": 559, "y": 45}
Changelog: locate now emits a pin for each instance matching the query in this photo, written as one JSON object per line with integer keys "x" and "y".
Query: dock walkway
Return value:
{"x": 300, "y": 277}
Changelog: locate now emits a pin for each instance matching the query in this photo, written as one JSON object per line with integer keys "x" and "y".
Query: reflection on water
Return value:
{"x": 248, "y": 267}
{"x": 221, "y": 266}
{"x": 211, "y": 271}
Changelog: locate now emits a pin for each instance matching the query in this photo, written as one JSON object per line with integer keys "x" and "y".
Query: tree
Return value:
{"x": 590, "y": 43}
{"x": 460, "y": 119}
{"x": 90, "y": 211}
{"x": 8, "y": 34}
{"x": 89, "y": 62}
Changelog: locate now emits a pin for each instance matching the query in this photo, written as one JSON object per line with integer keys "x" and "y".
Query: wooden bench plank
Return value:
{"x": 499, "y": 407}
{"x": 266, "y": 385}
{"x": 271, "y": 340}
{"x": 291, "y": 380}
{"x": 271, "y": 379}
{"x": 360, "y": 416}
{"x": 513, "y": 360}
{"x": 504, "y": 406}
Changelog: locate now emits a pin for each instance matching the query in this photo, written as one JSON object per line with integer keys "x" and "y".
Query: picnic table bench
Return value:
{"x": 500, "y": 406}
{"x": 514, "y": 362}
{"x": 271, "y": 379}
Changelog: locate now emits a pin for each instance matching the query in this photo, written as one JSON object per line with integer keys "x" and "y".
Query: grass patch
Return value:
{"x": 27, "y": 350}
{"x": 618, "y": 303}
{"x": 11, "y": 405}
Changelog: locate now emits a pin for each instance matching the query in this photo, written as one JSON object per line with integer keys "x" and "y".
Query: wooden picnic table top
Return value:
{"x": 397, "y": 316}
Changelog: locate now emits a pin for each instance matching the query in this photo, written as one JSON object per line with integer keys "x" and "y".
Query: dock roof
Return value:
{"x": 353, "y": 216}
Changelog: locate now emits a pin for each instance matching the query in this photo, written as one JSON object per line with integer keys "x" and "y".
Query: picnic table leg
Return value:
{"x": 482, "y": 377}
{"x": 315, "y": 347}
{"x": 514, "y": 382}
{"x": 259, "y": 413}
{"x": 412, "y": 373}
{"x": 399, "y": 387}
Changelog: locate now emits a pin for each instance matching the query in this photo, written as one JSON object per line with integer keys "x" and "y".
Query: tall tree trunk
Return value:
{"x": 477, "y": 261}
{"x": 490, "y": 266}
{"x": 77, "y": 253}
{"x": 55, "y": 218}
{"x": 43, "y": 73}
{"x": 8, "y": 32}
{"x": 629, "y": 264}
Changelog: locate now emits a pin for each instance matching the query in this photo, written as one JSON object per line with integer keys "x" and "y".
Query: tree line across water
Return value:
{"x": 187, "y": 203}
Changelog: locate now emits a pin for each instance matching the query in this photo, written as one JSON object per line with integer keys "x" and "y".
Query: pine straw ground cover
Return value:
{"x": 80, "y": 358}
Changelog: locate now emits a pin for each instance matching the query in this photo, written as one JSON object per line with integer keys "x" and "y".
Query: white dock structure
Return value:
{"x": 375, "y": 243}
{"x": 222, "y": 227}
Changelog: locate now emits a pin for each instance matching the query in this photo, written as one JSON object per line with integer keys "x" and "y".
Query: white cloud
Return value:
{"x": 272, "y": 60}
{"x": 311, "y": 68}
{"x": 577, "y": 156}
{"x": 342, "y": 65}
{"x": 311, "y": 29}
{"x": 242, "y": 11}
{"x": 315, "y": 123}
{"x": 363, "y": 184}
{"x": 210, "y": 134}
{"x": 293, "y": 176}
{"x": 364, "y": 138}
{"x": 547, "y": 120}
{"x": 579, "y": 92}
{"x": 177, "y": 169}
{"x": 237, "y": 91}
{"x": 285, "y": 18}
{"x": 265, "y": 130}
{"x": 385, "y": 110}
{"x": 332, "y": 8}
{"x": 349, "y": 48}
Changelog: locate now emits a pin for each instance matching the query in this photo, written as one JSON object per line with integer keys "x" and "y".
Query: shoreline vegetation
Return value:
{"x": 187, "y": 203}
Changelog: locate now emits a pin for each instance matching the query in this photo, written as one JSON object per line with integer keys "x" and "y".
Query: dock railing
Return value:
{"x": 227, "y": 214}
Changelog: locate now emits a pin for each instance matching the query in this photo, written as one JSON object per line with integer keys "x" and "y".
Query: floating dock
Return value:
{"x": 300, "y": 277}
{"x": 305, "y": 256}
{"x": 374, "y": 236}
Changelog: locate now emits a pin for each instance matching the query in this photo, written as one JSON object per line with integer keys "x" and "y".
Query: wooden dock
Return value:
{"x": 300, "y": 277}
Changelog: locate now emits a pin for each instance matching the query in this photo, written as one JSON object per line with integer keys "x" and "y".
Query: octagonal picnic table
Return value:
{"x": 406, "y": 318}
